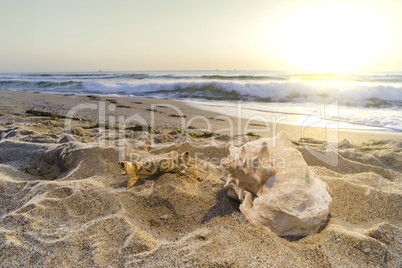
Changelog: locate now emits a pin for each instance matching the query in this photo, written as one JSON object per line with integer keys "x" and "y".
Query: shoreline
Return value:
{"x": 296, "y": 119}
{"x": 175, "y": 114}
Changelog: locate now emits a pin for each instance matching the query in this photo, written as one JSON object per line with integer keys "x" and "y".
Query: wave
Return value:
{"x": 377, "y": 97}
{"x": 72, "y": 76}
{"x": 370, "y": 90}
{"x": 374, "y": 96}
{"x": 243, "y": 77}
{"x": 43, "y": 86}
{"x": 267, "y": 91}
{"x": 212, "y": 76}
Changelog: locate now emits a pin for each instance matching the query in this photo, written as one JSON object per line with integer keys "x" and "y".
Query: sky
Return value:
{"x": 130, "y": 35}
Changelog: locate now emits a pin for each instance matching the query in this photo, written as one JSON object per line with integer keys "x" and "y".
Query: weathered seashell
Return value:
{"x": 277, "y": 189}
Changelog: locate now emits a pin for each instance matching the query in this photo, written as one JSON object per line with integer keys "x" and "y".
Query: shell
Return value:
{"x": 277, "y": 189}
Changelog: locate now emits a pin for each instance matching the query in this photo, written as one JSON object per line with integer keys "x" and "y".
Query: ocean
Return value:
{"x": 357, "y": 100}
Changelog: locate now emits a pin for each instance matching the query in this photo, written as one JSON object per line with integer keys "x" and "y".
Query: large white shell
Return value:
{"x": 277, "y": 189}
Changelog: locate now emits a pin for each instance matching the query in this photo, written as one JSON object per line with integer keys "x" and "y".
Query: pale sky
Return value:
{"x": 123, "y": 35}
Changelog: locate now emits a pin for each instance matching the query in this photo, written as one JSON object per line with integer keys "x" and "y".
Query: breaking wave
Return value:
{"x": 256, "y": 92}
{"x": 268, "y": 91}
{"x": 376, "y": 97}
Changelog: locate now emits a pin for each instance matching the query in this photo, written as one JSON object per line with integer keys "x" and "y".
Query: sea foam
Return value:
{"x": 376, "y": 96}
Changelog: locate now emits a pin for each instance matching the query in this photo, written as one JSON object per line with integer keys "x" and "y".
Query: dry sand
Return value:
{"x": 64, "y": 201}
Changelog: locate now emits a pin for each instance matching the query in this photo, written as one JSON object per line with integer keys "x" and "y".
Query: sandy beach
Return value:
{"x": 64, "y": 201}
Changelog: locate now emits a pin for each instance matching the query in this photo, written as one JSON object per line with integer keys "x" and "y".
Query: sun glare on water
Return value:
{"x": 331, "y": 38}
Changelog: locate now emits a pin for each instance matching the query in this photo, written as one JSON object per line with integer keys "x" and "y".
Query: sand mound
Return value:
{"x": 55, "y": 162}
{"x": 84, "y": 215}
{"x": 66, "y": 204}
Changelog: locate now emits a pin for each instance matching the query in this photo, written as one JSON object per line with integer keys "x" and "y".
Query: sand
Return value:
{"x": 64, "y": 200}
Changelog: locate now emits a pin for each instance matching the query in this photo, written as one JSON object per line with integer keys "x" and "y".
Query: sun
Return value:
{"x": 330, "y": 38}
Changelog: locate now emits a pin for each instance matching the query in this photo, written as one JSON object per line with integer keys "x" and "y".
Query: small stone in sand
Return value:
{"x": 65, "y": 139}
{"x": 368, "y": 191}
